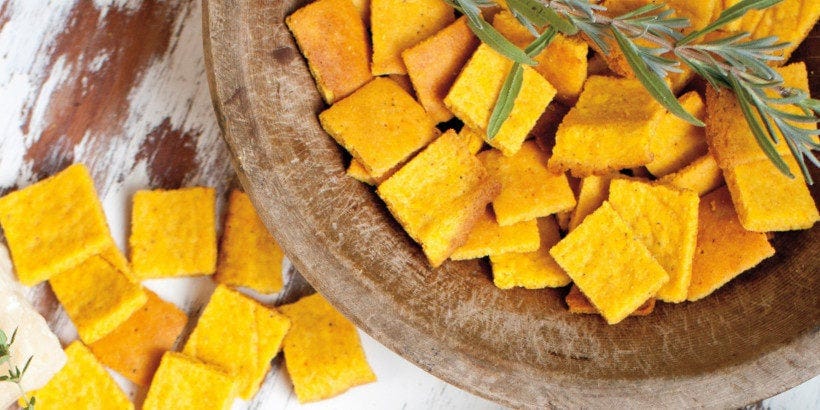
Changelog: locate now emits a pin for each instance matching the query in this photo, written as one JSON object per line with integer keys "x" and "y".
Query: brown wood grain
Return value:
{"x": 750, "y": 340}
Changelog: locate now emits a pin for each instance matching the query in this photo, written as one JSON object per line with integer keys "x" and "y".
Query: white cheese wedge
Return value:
{"x": 34, "y": 338}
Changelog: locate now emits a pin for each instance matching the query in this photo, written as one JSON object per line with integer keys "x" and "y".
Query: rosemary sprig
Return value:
{"x": 15, "y": 374}
{"x": 732, "y": 62}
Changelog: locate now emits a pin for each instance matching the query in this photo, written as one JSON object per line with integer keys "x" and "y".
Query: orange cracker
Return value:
{"x": 578, "y": 303}
{"x": 475, "y": 91}
{"x": 434, "y": 63}
{"x": 323, "y": 354}
{"x": 766, "y": 200}
{"x": 724, "y": 248}
{"x": 610, "y": 266}
{"x": 563, "y": 62}
{"x": 528, "y": 189}
{"x": 666, "y": 221}
{"x": 97, "y": 297}
{"x": 232, "y": 319}
{"x": 134, "y": 349}
{"x": 249, "y": 256}
{"x": 380, "y": 124}
{"x": 676, "y": 142}
{"x": 532, "y": 270}
{"x": 730, "y": 139}
{"x": 439, "y": 195}
{"x": 333, "y": 39}
{"x": 185, "y": 383}
{"x": 54, "y": 225}
{"x": 398, "y": 25}
{"x": 82, "y": 383}
{"x": 609, "y": 129}
{"x": 489, "y": 238}
{"x": 702, "y": 176}
{"x": 173, "y": 233}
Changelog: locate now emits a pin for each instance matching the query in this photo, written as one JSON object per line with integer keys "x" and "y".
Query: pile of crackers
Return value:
{"x": 588, "y": 181}
{"x": 57, "y": 232}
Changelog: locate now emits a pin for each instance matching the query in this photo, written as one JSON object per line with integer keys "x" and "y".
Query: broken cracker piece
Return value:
{"x": 702, "y": 176}
{"x": 531, "y": 270}
{"x": 323, "y": 354}
{"x": 248, "y": 255}
{"x": 489, "y": 238}
{"x": 677, "y": 142}
{"x": 578, "y": 303}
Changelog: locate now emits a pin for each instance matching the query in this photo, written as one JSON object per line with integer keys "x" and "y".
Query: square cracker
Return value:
{"x": 380, "y": 124}
{"x": 789, "y": 21}
{"x": 666, "y": 221}
{"x": 232, "y": 319}
{"x": 185, "y": 383}
{"x": 134, "y": 349}
{"x": 173, "y": 233}
{"x": 730, "y": 139}
{"x": 97, "y": 297}
{"x": 521, "y": 199}
{"x": 475, "y": 92}
{"x": 54, "y": 225}
{"x": 489, "y": 238}
{"x": 531, "y": 270}
{"x": 323, "y": 354}
{"x": 333, "y": 39}
{"x": 578, "y": 303}
{"x": 248, "y": 255}
{"x": 676, "y": 142}
{"x": 610, "y": 266}
{"x": 592, "y": 192}
{"x": 439, "y": 195}
{"x": 702, "y": 176}
{"x": 83, "y": 383}
{"x": 398, "y": 25}
{"x": 609, "y": 129}
{"x": 766, "y": 200}
{"x": 434, "y": 63}
{"x": 724, "y": 248}
{"x": 563, "y": 62}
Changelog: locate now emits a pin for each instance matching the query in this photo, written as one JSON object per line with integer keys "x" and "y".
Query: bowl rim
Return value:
{"x": 230, "y": 49}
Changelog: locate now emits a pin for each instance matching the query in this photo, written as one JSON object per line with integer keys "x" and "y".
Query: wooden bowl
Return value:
{"x": 754, "y": 338}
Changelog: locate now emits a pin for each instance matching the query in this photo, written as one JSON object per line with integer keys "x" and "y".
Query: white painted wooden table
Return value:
{"x": 120, "y": 85}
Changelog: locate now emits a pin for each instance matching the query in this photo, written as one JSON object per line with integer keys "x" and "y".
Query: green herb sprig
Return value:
{"x": 15, "y": 374}
{"x": 733, "y": 62}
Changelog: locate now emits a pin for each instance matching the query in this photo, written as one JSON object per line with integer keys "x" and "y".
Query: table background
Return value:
{"x": 120, "y": 86}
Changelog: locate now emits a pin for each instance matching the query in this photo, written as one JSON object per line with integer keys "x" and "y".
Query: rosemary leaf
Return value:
{"x": 729, "y": 15}
{"x": 656, "y": 86}
{"x": 540, "y": 15}
{"x": 541, "y": 42}
{"x": 506, "y": 99}
{"x": 488, "y": 35}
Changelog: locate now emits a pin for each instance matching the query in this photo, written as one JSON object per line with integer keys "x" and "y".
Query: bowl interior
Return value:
{"x": 753, "y": 338}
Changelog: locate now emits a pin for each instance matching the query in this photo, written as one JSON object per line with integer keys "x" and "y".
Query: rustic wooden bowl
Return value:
{"x": 752, "y": 339}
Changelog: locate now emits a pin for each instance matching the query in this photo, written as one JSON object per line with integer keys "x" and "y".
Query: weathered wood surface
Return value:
{"x": 120, "y": 85}
{"x": 752, "y": 339}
